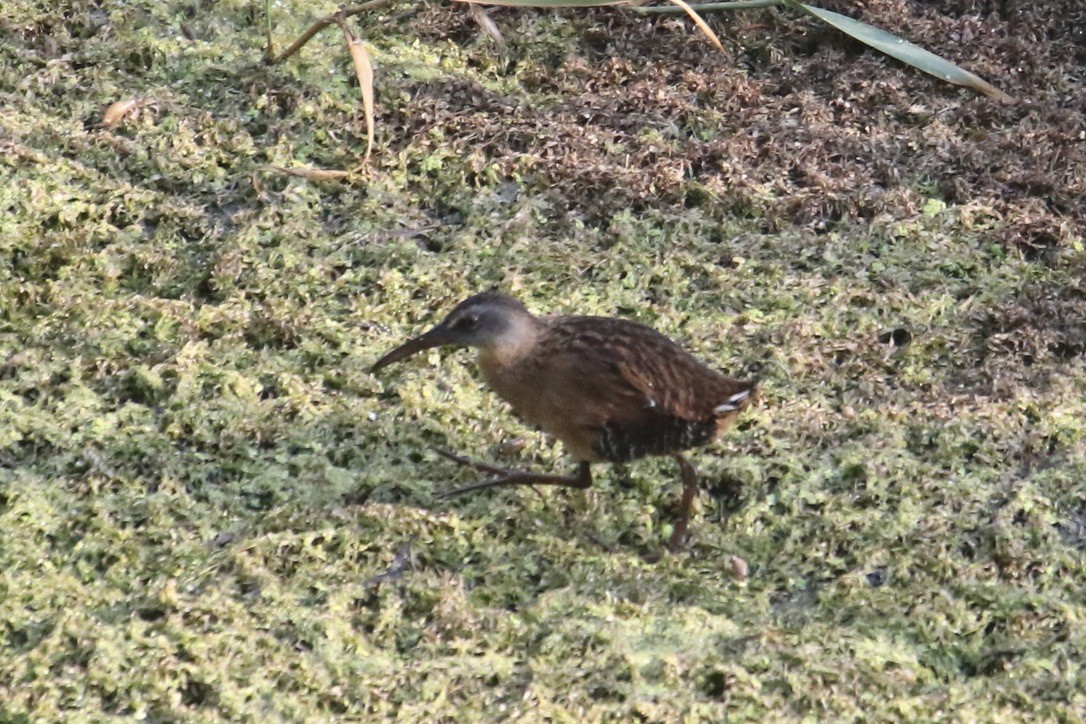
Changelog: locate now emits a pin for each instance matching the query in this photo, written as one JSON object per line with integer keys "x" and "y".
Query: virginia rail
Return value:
{"x": 611, "y": 390}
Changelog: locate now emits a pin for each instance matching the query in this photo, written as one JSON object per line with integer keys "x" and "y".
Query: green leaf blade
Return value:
{"x": 903, "y": 50}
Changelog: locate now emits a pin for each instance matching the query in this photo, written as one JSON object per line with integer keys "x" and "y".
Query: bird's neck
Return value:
{"x": 515, "y": 344}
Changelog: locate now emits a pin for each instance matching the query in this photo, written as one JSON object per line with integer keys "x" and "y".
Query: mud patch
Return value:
{"x": 797, "y": 124}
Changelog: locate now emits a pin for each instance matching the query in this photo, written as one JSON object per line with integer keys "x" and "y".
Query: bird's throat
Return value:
{"x": 513, "y": 346}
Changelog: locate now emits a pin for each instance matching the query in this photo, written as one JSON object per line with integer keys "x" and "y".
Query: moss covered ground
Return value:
{"x": 209, "y": 509}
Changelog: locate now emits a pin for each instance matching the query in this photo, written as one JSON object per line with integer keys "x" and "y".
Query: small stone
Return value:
{"x": 739, "y": 568}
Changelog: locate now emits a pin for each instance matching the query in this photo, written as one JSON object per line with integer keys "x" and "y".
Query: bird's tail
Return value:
{"x": 738, "y": 401}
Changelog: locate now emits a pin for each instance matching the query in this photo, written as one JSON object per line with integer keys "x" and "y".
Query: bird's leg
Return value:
{"x": 582, "y": 479}
{"x": 690, "y": 489}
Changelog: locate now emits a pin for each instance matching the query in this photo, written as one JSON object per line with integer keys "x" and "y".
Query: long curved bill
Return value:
{"x": 436, "y": 337}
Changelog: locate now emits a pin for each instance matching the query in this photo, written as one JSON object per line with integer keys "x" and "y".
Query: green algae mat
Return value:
{"x": 210, "y": 510}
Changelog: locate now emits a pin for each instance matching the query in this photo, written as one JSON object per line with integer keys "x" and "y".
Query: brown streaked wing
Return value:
{"x": 625, "y": 390}
{"x": 646, "y": 363}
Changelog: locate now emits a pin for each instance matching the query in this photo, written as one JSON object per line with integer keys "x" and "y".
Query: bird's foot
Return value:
{"x": 674, "y": 546}
{"x": 481, "y": 467}
{"x": 678, "y": 539}
{"x": 504, "y": 476}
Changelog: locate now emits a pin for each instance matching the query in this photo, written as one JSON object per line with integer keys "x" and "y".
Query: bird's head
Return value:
{"x": 489, "y": 321}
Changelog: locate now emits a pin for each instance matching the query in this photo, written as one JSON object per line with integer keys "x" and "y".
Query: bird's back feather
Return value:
{"x": 616, "y": 390}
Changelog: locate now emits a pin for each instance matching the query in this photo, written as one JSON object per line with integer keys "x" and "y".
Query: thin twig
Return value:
{"x": 269, "y": 45}
{"x": 707, "y": 7}
{"x": 324, "y": 22}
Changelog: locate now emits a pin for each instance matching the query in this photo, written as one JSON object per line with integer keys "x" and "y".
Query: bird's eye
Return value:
{"x": 466, "y": 322}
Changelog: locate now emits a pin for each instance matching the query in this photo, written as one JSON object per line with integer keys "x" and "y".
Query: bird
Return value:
{"x": 610, "y": 389}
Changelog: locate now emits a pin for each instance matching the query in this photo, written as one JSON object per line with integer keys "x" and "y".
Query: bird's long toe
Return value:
{"x": 480, "y": 466}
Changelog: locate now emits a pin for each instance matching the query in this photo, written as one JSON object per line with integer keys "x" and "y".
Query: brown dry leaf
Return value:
{"x": 118, "y": 111}
{"x": 363, "y": 68}
{"x": 486, "y": 23}
{"x": 312, "y": 174}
